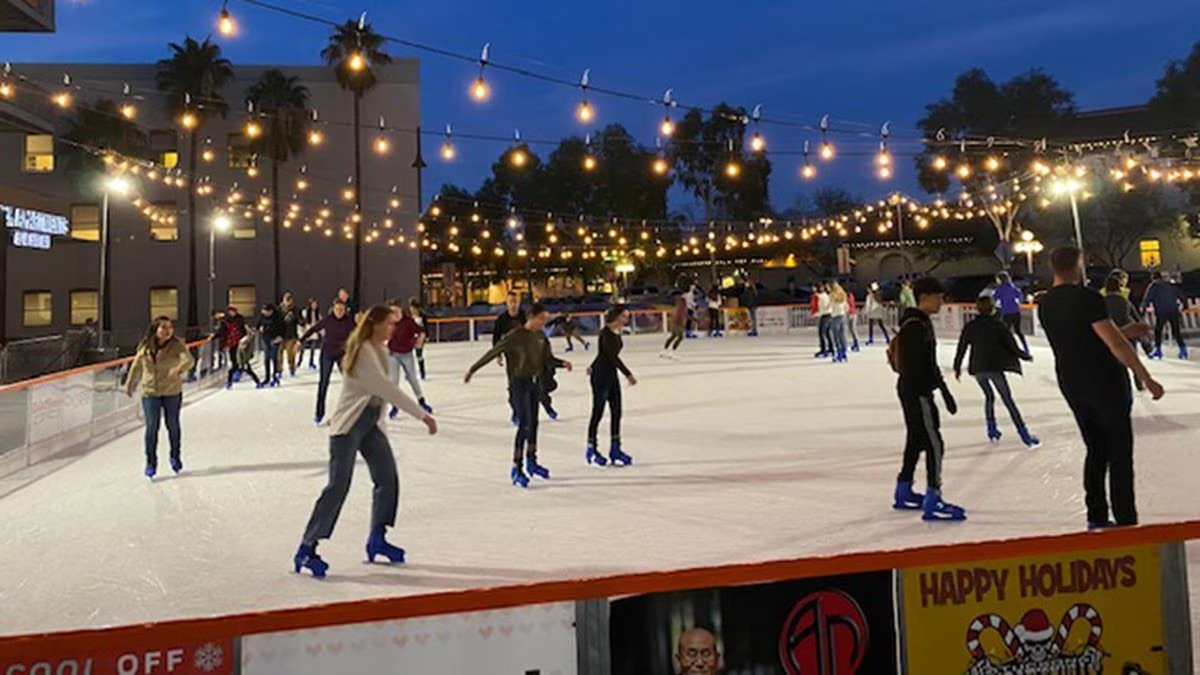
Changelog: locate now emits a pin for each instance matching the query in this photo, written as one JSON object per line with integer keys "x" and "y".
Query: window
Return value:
{"x": 39, "y": 153}
{"x": 166, "y": 227}
{"x": 169, "y": 159}
{"x": 245, "y": 229}
{"x": 37, "y": 309}
{"x": 1151, "y": 251}
{"x": 85, "y": 222}
{"x": 164, "y": 302}
{"x": 165, "y": 142}
{"x": 85, "y": 305}
{"x": 239, "y": 151}
{"x": 244, "y": 298}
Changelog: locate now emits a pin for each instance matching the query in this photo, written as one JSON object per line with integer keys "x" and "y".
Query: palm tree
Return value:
{"x": 353, "y": 49}
{"x": 284, "y": 103}
{"x": 193, "y": 77}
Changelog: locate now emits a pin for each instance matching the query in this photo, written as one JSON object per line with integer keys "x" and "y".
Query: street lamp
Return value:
{"x": 625, "y": 268}
{"x": 1029, "y": 246}
{"x": 220, "y": 223}
{"x": 112, "y": 185}
{"x": 1069, "y": 187}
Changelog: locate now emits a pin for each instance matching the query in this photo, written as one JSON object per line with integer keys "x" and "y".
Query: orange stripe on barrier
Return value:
{"x": 76, "y": 371}
{"x": 381, "y": 609}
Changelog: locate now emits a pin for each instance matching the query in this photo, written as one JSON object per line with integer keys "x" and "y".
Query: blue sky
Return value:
{"x": 861, "y": 62}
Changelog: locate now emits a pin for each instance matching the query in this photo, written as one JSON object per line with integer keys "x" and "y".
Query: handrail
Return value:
{"x": 380, "y": 609}
{"x": 50, "y": 377}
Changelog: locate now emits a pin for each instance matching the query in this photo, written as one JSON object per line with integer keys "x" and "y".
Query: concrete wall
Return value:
{"x": 311, "y": 263}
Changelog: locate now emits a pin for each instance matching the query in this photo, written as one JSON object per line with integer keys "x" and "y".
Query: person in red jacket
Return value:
{"x": 230, "y": 331}
{"x": 407, "y": 335}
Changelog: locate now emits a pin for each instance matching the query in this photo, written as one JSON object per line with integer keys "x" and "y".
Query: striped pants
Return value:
{"x": 924, "y": 435}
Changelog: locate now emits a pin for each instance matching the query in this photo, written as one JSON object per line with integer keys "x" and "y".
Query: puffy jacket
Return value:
{"x": 160, "y": 371}
{"x": 993, "y": 347}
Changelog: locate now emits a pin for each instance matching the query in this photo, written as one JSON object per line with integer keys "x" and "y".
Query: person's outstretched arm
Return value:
{"x": 1126, "y": 354}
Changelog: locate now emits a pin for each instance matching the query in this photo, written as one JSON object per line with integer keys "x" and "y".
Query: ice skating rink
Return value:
{"x": 745, "y": 449}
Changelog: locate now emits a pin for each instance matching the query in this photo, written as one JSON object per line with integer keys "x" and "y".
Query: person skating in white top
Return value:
{"x": 824, "y": 320}
{"x": 839, "y": 307}
{"x": 875, "y": 314}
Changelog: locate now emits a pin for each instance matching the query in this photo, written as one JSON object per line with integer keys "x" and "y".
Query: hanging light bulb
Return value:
{"x": 992, "y": 164}
{"x": 225, "y": 23}
{"x": 315, "y": 137}
{"x": 667, "y": 127}
{"x": 448, "y": 151}
{"x": 589, "y": 160}
{"x": 63, "y": 98}
{"x": 757, "y": 142}
{"x": 827, "y": 151}
{"x": 356, "y": 62}
{"x": 733, "y": 169}
{"x": 660, "y": 165}
{"x": 253, "y": 129}
{"x": 188, "y": 119}
{"x": 589, "y": 163}
{"x": 480, "y": 91}
{"x": 517, "y": 155}
{"x": 808, "y": 172}
{"x": 348, "y": 191}
{"x": 382, "y": 145}
{"x": 302, "y": 180}
{"x": 128, "y": 110}
{"x": 963, "y": 171}
{"x": 584, "y": 112}
{"x": 6, "y": 89}
{"x": 939, "y": 163}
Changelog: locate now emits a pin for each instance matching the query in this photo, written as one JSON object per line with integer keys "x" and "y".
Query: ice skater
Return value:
{"x": 1091, "y": 357}
{"x": 406, "y": 335}
{"x": 571, "y": 333}
{"x": 749, "y": 300}
{"x": 994, "y": 351}
{"x": 839, "y": 307}
{"x": 852, "y": 320}
{"x": 692, "y": 305}
{"x": 242, "y": 362}
{"x": 527, "y": 350}
{"x": 913, "y": 354}
{"x": 606, "y": 388}
{"x": 357, "y": 426}
{"x": 230, "y": 330}
{"x": 875, "y": 314}
{"x": 714, "y": 312}
{"x": 289, "y": 348}
{"x": 309, "y": 316}
{"x": 512, "y": 318}
{"x": 679, "y": 322}
{"x": 159, "y": 366}
{"x": 823, "y": 310}
{"x": 418, "y": 315}
{"x": 270, "y": 331}
{"x": 337, "y": 326}
{"x": 1167, "y": 302}
{"x": 1122, "y": 313}
{"x": 1008, "y": 298}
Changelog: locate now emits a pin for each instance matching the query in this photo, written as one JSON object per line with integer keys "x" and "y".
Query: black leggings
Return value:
{"x": 871, "y": 323}
{"x": 1013, "y": 321}
{"x": 1161, "y": 321}
{"x": 714, "y": 320}
{"x": 606, "y": 390}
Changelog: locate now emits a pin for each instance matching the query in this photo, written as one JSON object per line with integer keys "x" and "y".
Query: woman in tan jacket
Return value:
{"x": 357, "y": 426}
{"x": 159, "y": 365}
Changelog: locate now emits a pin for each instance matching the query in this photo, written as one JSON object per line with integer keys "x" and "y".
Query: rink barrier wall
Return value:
{"x": 74, "y": 410}
{"x": 228, "y": 630}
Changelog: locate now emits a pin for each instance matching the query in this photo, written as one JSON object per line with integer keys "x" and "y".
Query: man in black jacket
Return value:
{"x": 915, "y": 353}
{"x": 512, "y": 318}
{"x": 994, "y": 352}
{"x": 270, "y": 331}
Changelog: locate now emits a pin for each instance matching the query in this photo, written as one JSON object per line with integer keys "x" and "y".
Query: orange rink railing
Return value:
{"x": 382, "y": 609}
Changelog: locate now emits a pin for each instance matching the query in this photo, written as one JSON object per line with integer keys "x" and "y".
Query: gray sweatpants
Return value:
{"x": 364, "y": 437}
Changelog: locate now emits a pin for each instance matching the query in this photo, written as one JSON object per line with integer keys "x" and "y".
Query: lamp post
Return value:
{"x": 220, "y": 223}
{"x": 624, "y": 268}
{"x": 120, "y": 186}
{"x": 1028, "y": 245}
{"x": 1069, "y": 187}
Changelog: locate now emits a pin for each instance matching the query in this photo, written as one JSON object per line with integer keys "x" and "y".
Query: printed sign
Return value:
{"x": 1090, "y": 612}
{"x": 212, "y": 657}
{"x": 772, "y": 320}
{"x": 832, "y": 626}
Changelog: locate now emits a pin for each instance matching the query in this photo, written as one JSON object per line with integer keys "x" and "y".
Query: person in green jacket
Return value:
{"x": 159, "y": 365}
{"x": 527, "y": 351}
{"x": 907, "y": 298}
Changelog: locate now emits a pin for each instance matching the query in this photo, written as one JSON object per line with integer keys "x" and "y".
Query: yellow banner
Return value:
{"x": 1085, "y": 613}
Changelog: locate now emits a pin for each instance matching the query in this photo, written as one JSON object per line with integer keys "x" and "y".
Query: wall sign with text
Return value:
{"x": 33, "y": 229}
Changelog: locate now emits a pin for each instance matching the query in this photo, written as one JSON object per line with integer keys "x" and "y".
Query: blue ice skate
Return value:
{"x": 425, "y": 406}
{"x": 393, "y": 413}
{"x": 534, "y": 469}
{"x": 176, "y": 464}
{"x": 593, "y": 456}
{"x": 519, "y": 478}
{"x": 934, "y": 509}
{"x": 1156, "y": 354}
{"x": 1028, "y": 439}
{"x": 150, "y": 471}
{"x": 905, "y": 498}
{"x": 617, "y": 456}
{"x": 307, "y": 558}
{"x": 378, "y": 545}
{"x": 1183, "y": 352}
{"x": 993, "y": 431}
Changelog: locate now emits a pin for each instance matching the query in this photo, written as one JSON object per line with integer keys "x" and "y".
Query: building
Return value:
{"x": 27, "y": 16}
{"x": 48, "y": 291}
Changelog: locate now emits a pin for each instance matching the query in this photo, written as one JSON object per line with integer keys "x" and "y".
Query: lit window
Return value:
{"x": 245, "y": 229}
{"x": 166, "y": 228}
{"x": 85, "y": 222}
{"x": 39, "y": 153}
{"x": 164, "y": 302}
{"x": 244, "y": 298}
{"x": 169, "y": 159}
{"x": 239, "y": 151}
{"x": 84, "y": 305}
{"x": 1151, "y": 251}
{"x": 37, "y": 309}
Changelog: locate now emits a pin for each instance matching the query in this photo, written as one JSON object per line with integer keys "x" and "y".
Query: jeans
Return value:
{"x": 155, "y": 409}
{"x": 924, "y": 434}
{"x": 366, "y": 438}
{"x": 407, "y": 362}
{"x": 270, "y": 359}
{"x": 837, "y": 328}
{"x": 998, "y": 382}
{"x": 327, "y": 364}
{"x": 825, "y": 333}
{"x": 526, "y": 399}
{"x": 753, "y": 320}
{"x": 606, "y": 390}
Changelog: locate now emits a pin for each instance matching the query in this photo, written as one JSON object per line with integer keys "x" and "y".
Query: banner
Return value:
{"x": 210, "y": 657}
{"x": 60, "y": 405}
{"x": 1084, "y": 613}
{"x": 828, "y": 626}
{"x": 772, "y": 320}
{"x": 531, "y": 639}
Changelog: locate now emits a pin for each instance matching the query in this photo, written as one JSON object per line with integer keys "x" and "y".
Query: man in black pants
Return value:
{"x": 1167, "y": 302}
{"x": 509, "y": 320}
{"x": 1091, "y": 355}
{"x": 913, "y": 354}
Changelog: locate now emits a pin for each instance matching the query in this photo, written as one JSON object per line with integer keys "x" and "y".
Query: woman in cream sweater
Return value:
{"x": 357, "y": 425}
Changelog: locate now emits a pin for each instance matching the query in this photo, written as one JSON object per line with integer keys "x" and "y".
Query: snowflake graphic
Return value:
{"x": 208, "y": 658}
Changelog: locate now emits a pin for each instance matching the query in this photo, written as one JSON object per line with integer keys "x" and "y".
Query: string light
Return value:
{"x": 757, "y": 142}
{"x": 448, "y": 151}
{"x": 585, "y": 113}
{"x": 991, "y": 164}
{"x": 188, "y": 120}
{"x": 589, "y": 160}
{"x": 808, "y": 171}
{"x": 253, "y": 129}
{"x": 963, "y": 171}
{"x": 661, "y": 165}
{"x": 480, "y": 91}
{"x": 939, "y": 163}
{"x": 225, "y": 23}
{"x": 827, "y": 151}
{"x": 315, "y": 137}
{"x": 733, "y": 169}
{"x": 356, "y": 62}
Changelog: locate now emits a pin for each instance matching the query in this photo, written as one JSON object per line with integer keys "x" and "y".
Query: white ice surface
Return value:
{"x": 745, "y": 450}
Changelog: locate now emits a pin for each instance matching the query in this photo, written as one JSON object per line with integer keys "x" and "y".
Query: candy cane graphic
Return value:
{"x": 1075, "y": 613}
{"x": 994, "y": 622}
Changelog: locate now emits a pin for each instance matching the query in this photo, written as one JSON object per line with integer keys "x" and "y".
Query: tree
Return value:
{"x": 193, "y": 77}
{"x": 284, "y": 102}
{"x": 353, "y": 50}
{"x": 820, "y": 253}
{"x": 1030, "y": 106}
{"x": 700, "y": 150}
{"x": 1175, "y": 105}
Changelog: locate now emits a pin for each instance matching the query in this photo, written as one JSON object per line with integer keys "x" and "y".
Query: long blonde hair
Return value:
{"x": 363, "y": 330}
{"x": 837, "y": 293}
